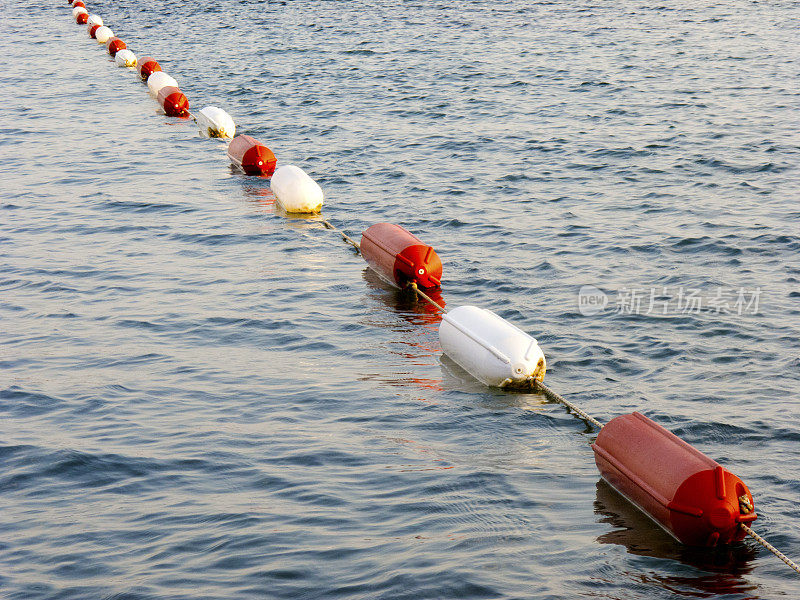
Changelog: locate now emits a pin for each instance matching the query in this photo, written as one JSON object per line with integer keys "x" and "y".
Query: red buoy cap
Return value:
{"x": 81, "y": 18}
{"x": 173, "y": 101}
{"x": 93, "y": 30}
{"x": 114, "y": 45}
{"x": 147, "y": 66}
{"x": 253, "y": 157}
{"x": 78, "y": 3}
{"x": 690, "y": 495}
{"x": 399, "y": 257}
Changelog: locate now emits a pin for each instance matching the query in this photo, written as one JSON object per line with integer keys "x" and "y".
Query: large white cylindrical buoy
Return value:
{"x": 125, "y": 58}
{"x": 103, "y": 34}
{"x": 158, "y": 80}
{"x": 295, "y": 191}
{"x": 79, "y": 10}
{"x": 215, "y": 122}
{"x": 491, "y": 349}
{"x": 94, "y": 20}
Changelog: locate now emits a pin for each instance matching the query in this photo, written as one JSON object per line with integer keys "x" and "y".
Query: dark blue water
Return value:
{"x": 203, "y": 398}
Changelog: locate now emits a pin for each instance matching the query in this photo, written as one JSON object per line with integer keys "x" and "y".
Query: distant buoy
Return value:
{"x": 148, "y": 66}
{"x": 215, "y": 122}
{"x": 688, "y": 494}
{"x": 295, "y": 191}
{"x": 114, "y": 45}
{"x": 173, "y": 101}
{"x": 489, "y": 348}
{"x": 78, "y": 4}
{"x": 79, "y": 10}
{"x": 94, "y": 20}
{"x": 250, "y": 155}
{"x": 399, "y": 257}
{"x": 103, "y": 34}
{"x": 125, "y": 58}
{"x": 82, "y": 18}
{"x": 93, "y": 30}
{"x": 158, "y": 80}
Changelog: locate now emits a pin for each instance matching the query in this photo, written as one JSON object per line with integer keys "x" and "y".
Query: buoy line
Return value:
{"x": 691, "y": 496}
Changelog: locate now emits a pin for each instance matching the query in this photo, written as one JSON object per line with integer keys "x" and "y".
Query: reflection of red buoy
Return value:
{"x": 114, "y": 45}
{"x": 82, "y": 18}
{"x": 173, "y": 101}
{"x": 253, "y": 157}
{"x": 690, "y": 495}
{"x": 400, "y": 257}
{"x": 148, "y": 66}
{"x": 93, "y": 29}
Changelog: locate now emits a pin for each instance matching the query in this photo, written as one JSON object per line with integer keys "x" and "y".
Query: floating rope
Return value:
{"x": 345, "y": 237}
{"x": 770, "y": 547}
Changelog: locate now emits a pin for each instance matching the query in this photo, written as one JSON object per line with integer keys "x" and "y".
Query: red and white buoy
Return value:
{"x": 251, "y": 156}
{"x": 158, "y": 80}
{"x": 148, "y": 66}
{"x": 691, "y": 496}
{"x": 92, "y": 29}
{"x": 82, "y": 18}
{"x": 216, "y": 123}
{"x": 125, "y": 58}
{"x": 399, "y": 257}
{"x": 78, "y": 3}
{"x": 114, "y": 45}
{"x": 78, "y": 11}
{"x": 173, "y": 101}
{"x": 94, "y": 20}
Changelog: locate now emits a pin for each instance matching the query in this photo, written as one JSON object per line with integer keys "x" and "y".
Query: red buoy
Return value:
{"x": 93, "y": 29}
{"x": 399, "y": 257}
{"x": 82, "y": 18}
{"x": 78, "y": 3}
{"x": 691, "y": 496}
{"x": 173, "y": 101}
{"x": 148, "y": 66}
{"x": 253, "y": 157}
{"x": 114, "y": 45}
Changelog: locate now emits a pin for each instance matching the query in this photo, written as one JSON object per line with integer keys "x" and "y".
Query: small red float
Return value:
{"x": 148, "y": 66}
{"x": 82, "y": 18}
{"x": 691, "y": 496}
{"x": 173, "y": 101}
{"x": 93, "y": 29}
{"x": 400, "y": 257}
{"x": 78, "y": 3}
{"x": 114, "y": 45}
{"x": 253, "y": 157}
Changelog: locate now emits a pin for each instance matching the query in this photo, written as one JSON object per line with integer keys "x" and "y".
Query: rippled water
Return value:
{"x": 202, "y": 398}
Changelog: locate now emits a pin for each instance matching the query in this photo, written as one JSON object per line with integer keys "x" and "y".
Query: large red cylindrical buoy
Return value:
{"x": 93, "y": 29}
{"x": 82, "y": 18}
{"x": 148, "y": 66}
{"x": 400, "y": 257}
{"x": 114, "y": 45}
{"x": 253, "y": 157}
{"x": 691, "y": 496}
{"x": 173, "y": 101}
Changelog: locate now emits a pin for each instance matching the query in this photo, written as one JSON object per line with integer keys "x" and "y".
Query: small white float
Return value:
{"x": 295, "y": 191}
{"x": 158, "y": 80}
{"x": 78, "y": 10}
{"x": 103, "y": 34}
{"x": 215, "y": 122}
{"x": 94, "y": 20}
{"x": 491, "y": 349}
{"x": 125, "y": 58}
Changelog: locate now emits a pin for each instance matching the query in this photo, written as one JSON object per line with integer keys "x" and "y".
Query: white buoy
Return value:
{"x": 125, "y": 58}
{"x": 489, "y": 348}
{"x": 158, "y": 80}
{"x": 102, "y": 34}
{"x": 215, "y": 122}
{"x": 295, "y": 191}
{"x": 94, "y": 20}
{"x": 78, "y": 10}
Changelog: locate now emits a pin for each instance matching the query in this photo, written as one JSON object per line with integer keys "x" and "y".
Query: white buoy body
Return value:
{"x": 215, "y": 122}
{"x": 78, "y": 10}
{"x": 94, "y": 20}
{"x": 125, "y": 58}
{"x": 102, "y": 34}
{"x": 158, "y": 80}
{"x": 489, "y": 348}
{"x": 295, "y": 191}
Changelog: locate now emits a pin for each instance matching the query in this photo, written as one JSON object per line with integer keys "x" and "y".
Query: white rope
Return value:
{"x": 770, "y": 547}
